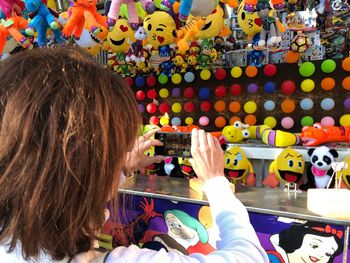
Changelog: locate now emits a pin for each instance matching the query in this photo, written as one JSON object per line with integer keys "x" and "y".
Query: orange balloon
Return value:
{"x": 250, "y": 119}
{"x": 346, "y": 83}
{"x": 220, "y": 106}
{"x": 346, "y": 64}
{"x": 288, "y": 106}
{"x": 235, "y": 106}
{"x": 235, "y": 118}
{"x": 251, "y": 71}
{"x": 328, "y": 83}
{"x": 292, "y": 57}
{"x": 220, "y": 122}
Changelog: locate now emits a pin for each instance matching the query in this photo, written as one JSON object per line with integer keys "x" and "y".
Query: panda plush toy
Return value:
{"x": 320, "y": 170}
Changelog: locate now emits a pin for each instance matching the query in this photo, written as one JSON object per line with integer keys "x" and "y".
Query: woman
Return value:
{"x": 67, "y": 129}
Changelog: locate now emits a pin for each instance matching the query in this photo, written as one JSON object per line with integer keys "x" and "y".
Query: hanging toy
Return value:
{"x": 12, "y": 25}
{"x": 250, "y": 5}
{"x": 287, "y": 168}
{"x": 84, "y": 12}
{"x": 320, "y": 171}
{"x": 41, "y": 21}
{"x": 299, "y": 44}
{"x": 237, "y": 167}
{"x": 269, "y": 25}
{"x": 135, "y": 52}
{"x": 114, "y": 11}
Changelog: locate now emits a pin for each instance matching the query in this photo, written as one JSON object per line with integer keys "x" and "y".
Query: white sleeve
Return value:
{"x": 238, "y": 243}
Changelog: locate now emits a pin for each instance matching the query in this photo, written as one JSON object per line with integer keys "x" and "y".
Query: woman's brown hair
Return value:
{"x": 66, "y": 125}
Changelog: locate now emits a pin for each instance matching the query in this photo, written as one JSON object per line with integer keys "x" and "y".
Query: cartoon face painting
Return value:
{"x": 176, "y": 229}
{"x": 314, "y": 249}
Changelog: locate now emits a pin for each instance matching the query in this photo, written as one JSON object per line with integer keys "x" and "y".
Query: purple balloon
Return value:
{"x": 176, "y": 92}
{"x": 347, "y": 103}
{"x": 141, "y": 108}
{"x": 252, "y": 88}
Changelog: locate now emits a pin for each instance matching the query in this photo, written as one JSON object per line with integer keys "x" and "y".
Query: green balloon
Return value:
{"x": 328, "y": 66}
{"x": 307, "y": 69}
{"x": 307, "y": 121}
{"x": 163, "y": 79}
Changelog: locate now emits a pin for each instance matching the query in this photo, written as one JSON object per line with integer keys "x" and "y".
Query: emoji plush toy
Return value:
{"x": 288, "y": 167}
{"x": 41, "y": 22}
{"x": 160, "y": 28}
{"x": 237, "y": 167}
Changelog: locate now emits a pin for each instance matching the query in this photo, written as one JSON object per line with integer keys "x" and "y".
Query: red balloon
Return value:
{"x": 189, "y": 106}
{"x": 164, "y": 107}
{"x": 270, "y": 70}
{"x": 189, "y": 92}
{"x": 154, "y": 120}
{"x": 140, "y": 95}
{"x": 151, "y": 108}
{"x": 151, "y": 94}
{"x": 205, "y": 106}
{"x": 220, "y": 91}
{"x": 220, "y": 74}
{"x": 288, "y": 87}
{"x": 130, "y": 81}
{"x": 236, "y": 89}
{"x": 151, "y": 81}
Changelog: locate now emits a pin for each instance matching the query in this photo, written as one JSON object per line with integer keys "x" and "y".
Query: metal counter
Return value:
{"x": 256, "y": 199}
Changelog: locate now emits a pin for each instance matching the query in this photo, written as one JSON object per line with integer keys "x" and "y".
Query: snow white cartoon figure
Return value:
{"x": 309, "y": 243}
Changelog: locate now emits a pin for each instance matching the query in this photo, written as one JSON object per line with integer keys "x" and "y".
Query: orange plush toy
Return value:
{"x": 84, "y": 12}
{"x": 11, "y": 27}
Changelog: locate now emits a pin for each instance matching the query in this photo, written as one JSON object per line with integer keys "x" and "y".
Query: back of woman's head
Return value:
{"x": 66, "y": 125}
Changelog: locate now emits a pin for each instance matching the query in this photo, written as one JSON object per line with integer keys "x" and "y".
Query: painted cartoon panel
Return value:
{"x": 188, "y": 228}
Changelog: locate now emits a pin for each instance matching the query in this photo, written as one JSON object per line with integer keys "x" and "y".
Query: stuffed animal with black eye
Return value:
{"x": 320, "y": 171}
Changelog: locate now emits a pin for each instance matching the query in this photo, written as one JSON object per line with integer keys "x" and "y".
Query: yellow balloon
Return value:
{"x": 307, "y": 85}
{"x": 270, "y": 121}
{"x": 164, "y": 93}
{"x": 236, "y": 72}
{"x": 189, "y": 120}
{"x": 345, "y": 120}
{"x": 176, "y": 107}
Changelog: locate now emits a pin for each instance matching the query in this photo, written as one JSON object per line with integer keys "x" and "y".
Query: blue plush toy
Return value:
{"x": 42, "y": 19}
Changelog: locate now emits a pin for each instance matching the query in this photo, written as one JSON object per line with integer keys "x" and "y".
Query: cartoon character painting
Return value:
{"x": 309, "y": 243}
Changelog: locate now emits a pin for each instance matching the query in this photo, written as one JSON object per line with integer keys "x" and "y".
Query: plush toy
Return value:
{"x": 250, "y": 5}
{"x": 166, "y": 67}
{"x": 207, "y": 54}
{"x": 288, "y": 167}
{"x": 269, "y": 25}
{"x": 238, "y": 132}
{"x": 114, "y": 10}
{"x": 117, "y": 39}
{"x": 237, "y": 167}
{"x": 180, "y": 63}
{"x": 160, "y": 28}
{"x": 8, "y": 6}
{"x": 214, "y": 25}
{"x": 12, "y": 27}
{"x": 124, "y": 68}
{"x": 249, "y": 22}
{"x": 345, "y": 180}
{"x": 84, "y": 12}
{"x": 42, "y": 20}
{"x": 192, "y": 61}
{"x": 187, "y": 33}
{"x": 234, "y": 133}
{"x": 317, "y": 134}
{"x": 256, "y": 56}
{"x": 320, "y": 171}
{"x": 135, "y": 52}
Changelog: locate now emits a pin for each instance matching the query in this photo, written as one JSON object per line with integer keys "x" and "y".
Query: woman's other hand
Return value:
{"x": 136, "y": 158}
{"x": 207, "y": 156}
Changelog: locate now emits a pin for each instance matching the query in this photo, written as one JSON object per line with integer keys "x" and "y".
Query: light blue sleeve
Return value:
{"x": 238, "y": 243}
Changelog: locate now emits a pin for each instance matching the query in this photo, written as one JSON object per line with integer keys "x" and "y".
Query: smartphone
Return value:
{"x": 176, "y": 144}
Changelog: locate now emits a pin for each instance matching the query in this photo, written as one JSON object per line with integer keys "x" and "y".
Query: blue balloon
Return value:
{"x": 269, "y": 87}
{"x": 306, "y": 104}
{"x": 189, "y": 77}
{"x": 269, "y": 105}
{"x": 176, "y": 121}
{"x": 327, "y": 104}
{"x": 204, "y": 93}
{"x": 140, "y": 82}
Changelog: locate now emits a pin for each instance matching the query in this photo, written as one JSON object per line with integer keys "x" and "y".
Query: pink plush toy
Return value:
{"x": 7, "y": 6}
{"x": 114, "y": 10}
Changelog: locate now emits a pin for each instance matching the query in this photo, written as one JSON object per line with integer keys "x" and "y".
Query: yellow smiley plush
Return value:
{"x": 160, "y": 28}
{"x": 214, "y": 25}
{"x": 117, "y": 39}
{"x": 250, "y": 23}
